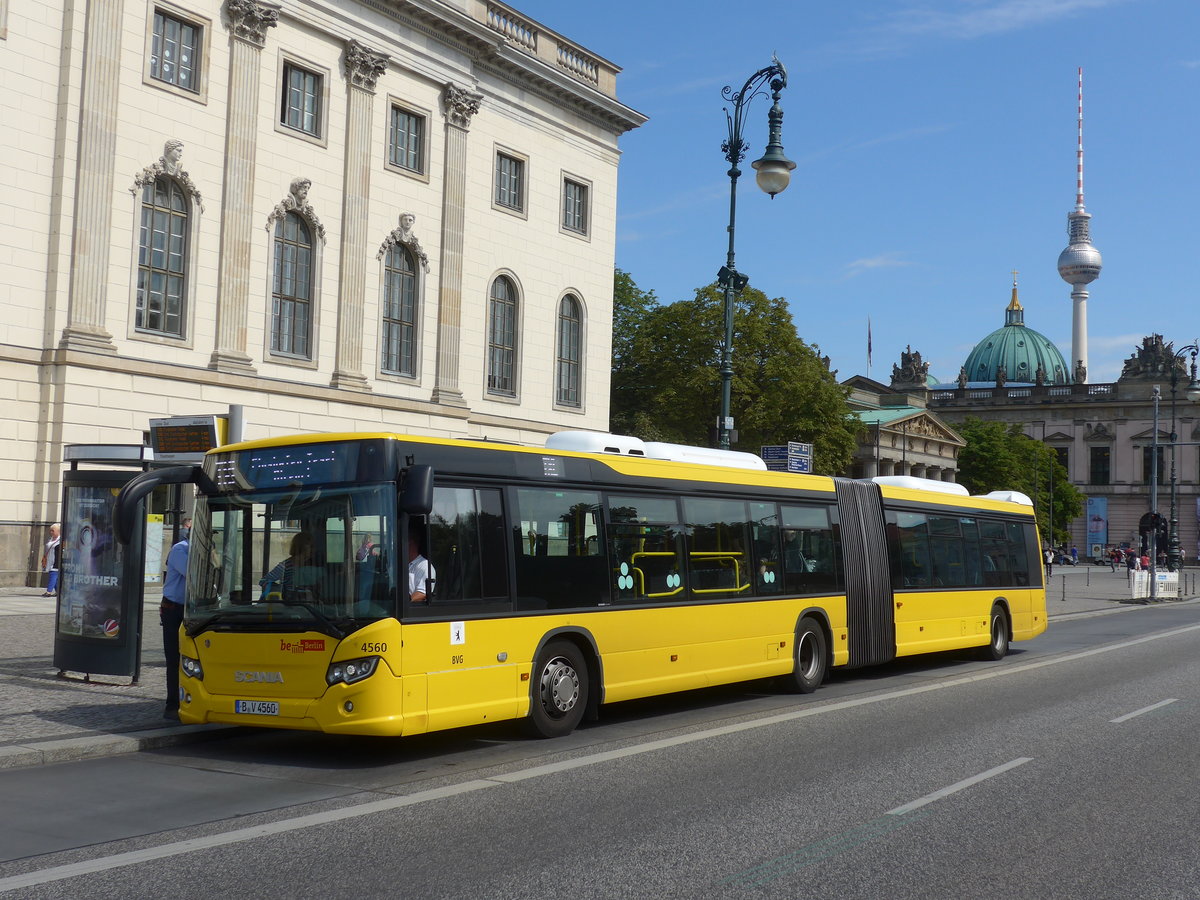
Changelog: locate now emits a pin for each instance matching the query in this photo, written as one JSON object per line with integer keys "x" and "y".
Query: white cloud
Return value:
{"x": 882, "y": 261}
{"x": 977, "y": 19}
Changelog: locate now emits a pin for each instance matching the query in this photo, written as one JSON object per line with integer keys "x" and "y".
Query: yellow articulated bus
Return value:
{"x": 389, "y": 584}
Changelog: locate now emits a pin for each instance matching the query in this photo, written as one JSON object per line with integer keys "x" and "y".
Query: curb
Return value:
{"x": 56, "y": 750}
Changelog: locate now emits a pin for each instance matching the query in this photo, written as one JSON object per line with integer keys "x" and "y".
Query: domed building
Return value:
{"x": 1015, "y": 354}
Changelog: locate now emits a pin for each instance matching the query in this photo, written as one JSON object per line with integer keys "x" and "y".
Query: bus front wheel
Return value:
{"x": 997, "y": 646}
{"x": 560, "y": 690}
{"x": 811, "y": 657}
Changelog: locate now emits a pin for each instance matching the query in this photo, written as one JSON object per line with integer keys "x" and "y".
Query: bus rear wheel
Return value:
{"x": 811, "y": 657}
{"x": 560, "y": 690}
{"x": 997, "y": 646}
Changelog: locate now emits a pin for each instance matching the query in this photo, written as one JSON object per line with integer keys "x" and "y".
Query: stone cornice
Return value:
{"x": 490, "y": 52}
{"x": 259, "y": 384}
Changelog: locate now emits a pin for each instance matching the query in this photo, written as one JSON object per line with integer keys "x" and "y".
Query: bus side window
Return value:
{"x": 994, "y": 546}
{"x": 913, "y": 532}
{"x": 467, "y": 550}
{"x": 646, "y": 549}
{"x": 560, "y": 562}
{"x": 810, "y": 551}
{"x": 764, "y": 530}
{"x": 718, "y": 562}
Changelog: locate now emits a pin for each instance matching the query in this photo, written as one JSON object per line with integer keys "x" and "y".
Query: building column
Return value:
{"x": 94, "y": 182}
{"x": 248, "y": 21}
{"x": 459, "y": 105}
{"x": 363, "y": 68}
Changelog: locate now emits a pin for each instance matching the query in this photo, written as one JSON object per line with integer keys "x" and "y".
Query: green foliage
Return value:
{"x": 666, "y": 384}
{"x": 1000, "y": 457}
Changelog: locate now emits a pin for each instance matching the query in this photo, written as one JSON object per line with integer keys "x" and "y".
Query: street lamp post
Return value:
{"x": 1193, "y": 394}
{"x": 774, "y": 171}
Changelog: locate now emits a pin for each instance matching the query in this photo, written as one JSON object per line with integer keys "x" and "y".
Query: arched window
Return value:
{"x": 399, "y": 312}
{"x": 502, "y": 337}
{"x": 570, "y": 333}
{"x": 162, "y": 258}
{"x": 291, "y": 298}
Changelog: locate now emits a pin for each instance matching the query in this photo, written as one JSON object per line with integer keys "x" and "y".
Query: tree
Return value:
{"x": 666, "y": 383}
{"x": 1000, "y": 457}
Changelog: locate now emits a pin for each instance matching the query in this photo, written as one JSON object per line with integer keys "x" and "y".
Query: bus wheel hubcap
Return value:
{"x": 807, "y": 655}
{"x": 560, "y": 685}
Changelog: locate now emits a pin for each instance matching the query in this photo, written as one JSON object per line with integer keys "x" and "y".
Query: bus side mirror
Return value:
{"x": 416, "y": 496}
{"x": 132, "y": 494}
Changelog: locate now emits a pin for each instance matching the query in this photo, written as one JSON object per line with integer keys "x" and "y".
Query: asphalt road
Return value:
{"x": 1067, "y": 770}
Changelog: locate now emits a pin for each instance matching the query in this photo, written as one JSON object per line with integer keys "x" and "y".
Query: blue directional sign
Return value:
{"x": 790, "y": 457}
{"x": 776, "y": 457}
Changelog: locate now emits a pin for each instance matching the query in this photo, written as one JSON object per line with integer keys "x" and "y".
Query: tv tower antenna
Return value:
{"x": 1079, "y": 265}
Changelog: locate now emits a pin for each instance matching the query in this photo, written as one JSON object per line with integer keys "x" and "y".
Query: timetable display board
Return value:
{"x": 185, "y": 438}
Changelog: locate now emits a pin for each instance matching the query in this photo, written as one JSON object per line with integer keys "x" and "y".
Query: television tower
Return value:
{"x": 1079, "y": 265}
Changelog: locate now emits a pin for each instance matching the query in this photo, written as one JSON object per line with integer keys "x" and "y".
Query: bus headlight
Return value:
{"x": 191, "y": 667}
{"x": 349, "y": 671}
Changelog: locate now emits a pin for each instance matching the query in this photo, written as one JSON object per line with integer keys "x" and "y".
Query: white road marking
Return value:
{"x": 282, "y": 826}
{"x": 1138, "y": 712}
{"x": 958, "y": 786}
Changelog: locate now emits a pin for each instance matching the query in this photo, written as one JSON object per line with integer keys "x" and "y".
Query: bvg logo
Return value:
{"x": 275, "y": 677}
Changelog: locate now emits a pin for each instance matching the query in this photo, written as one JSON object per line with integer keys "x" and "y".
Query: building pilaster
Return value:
{"x": 459, "y": 106}
{"x": 248, "y": 21}
{"x": 363, "y": 68}
{"x": 94, "y": 185}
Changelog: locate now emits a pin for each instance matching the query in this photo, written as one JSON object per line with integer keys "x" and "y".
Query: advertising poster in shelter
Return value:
{"x": 90, "y": 604}
{"x": 1097, "y": 525}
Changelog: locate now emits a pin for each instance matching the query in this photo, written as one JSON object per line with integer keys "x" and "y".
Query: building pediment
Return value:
{"x": 1061, "y": 437}
{"x": 926, "y": 425}
{"x": 1098, "y": 431}
{"x": 1147, "y": 436}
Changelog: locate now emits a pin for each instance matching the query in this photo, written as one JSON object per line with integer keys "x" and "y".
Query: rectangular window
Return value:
{"x": 646, "y": 548}
{"x": 510, "y": 182}
{"x": 301, "y": 102}
{"x": 997, "y": 558}
{"x": 575, "y": 206}
{"x": 466, "y": 541}
{"x": 718, "y": 562}
{"x": 912, "y": 531}
{"x": 559, "y": 548}
{"x": 1101, "y": 465}
{"x": 811, "y": 562}
{"x": 406, "y": 140}
{"x": 174, "y": 51}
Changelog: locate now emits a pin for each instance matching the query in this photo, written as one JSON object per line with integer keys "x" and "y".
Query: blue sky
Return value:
{"x": 935, "y": 143}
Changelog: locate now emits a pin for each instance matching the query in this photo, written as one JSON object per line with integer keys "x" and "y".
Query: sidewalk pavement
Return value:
{"x": 46, "y": 717}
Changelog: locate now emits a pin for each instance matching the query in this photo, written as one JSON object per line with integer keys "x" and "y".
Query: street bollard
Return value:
{"x": 1064, "y": 587}
{"x": 1089, "y": 576}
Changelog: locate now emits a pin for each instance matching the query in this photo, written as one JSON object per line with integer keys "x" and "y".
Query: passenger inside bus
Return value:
{"x": 294, "y": 572}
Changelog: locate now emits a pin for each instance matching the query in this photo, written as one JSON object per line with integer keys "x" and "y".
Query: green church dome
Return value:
{"x": 1018, "y": 348}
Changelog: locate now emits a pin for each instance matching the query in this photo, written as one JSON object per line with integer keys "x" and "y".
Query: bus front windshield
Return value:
{"x": 293, "y": 558}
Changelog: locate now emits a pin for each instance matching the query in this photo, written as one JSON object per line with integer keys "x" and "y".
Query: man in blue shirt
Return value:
{"x": 170, "y": 614}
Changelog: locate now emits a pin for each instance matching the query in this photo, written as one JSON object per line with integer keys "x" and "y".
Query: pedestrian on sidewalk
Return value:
{"x": 51, "y": 557}
{"x": 170, "y": 614}
{"x": 1049, "y": 562}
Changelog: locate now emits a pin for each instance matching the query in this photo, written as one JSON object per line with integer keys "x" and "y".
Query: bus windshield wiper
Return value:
{"x": 332, "y": 629}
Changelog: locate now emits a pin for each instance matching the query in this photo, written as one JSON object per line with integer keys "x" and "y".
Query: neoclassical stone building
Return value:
{"x": 336, "y": 214}
{"x": 1103, "y": 433}
{"x": 901, "y": 435}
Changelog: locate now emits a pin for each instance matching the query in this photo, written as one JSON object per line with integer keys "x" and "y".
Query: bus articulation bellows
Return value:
{"x": 559, "y": 580}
